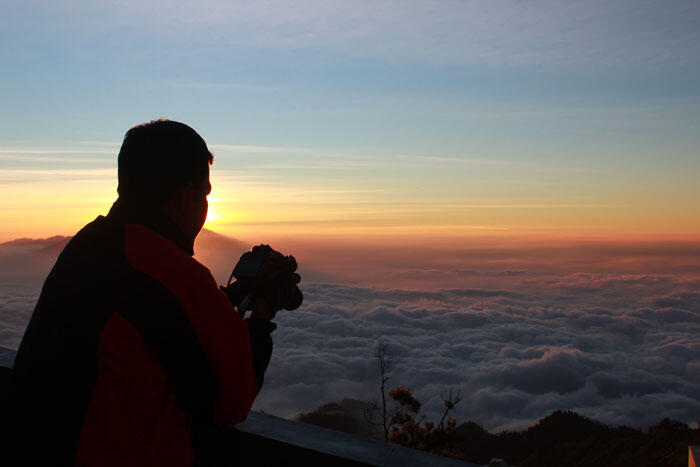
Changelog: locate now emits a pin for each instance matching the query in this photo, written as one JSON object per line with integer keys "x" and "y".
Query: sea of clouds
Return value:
{"x": 621, "y": 347}
{"x": 623, "y": 350}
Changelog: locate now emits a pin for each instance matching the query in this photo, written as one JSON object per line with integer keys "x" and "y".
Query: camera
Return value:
{"x": 267, "y": 274}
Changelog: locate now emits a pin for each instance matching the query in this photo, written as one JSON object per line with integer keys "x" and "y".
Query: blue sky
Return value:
{"x": 320, "y": 73}
{"x": 549, "y": 89}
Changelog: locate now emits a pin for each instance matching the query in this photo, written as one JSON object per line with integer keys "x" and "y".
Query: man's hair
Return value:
{"x": 158, "y": 159}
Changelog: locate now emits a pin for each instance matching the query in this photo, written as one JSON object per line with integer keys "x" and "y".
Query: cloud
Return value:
{"x": 517, "y": 340}
{"x": 16, "y": 304}
{"x": 514, "y": 356}
{"x": 45, "y": 151}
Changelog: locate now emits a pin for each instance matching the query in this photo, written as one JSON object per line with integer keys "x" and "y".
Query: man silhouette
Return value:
{"x": 132, "y": 349}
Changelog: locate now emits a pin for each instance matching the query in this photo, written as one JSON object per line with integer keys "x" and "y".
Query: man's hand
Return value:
{"x": 261, "y": 310}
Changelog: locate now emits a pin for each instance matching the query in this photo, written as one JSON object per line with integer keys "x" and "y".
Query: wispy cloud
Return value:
{"x": 44, "y": 175}
{"x": 547, "y": 35}
{"x": 76, "y": 160}
{"x": 29, "y": 151}
{"x": 257, "y": 149}
{"x": 215, "y": 86}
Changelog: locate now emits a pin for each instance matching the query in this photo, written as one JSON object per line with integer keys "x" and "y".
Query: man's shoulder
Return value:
{"x": 94, "y": 243}
{"x": 162, "y": 259}
{"x": 91, "y": 232}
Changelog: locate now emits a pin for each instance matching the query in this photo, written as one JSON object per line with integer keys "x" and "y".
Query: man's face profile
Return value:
{"x": 189, "y": 208}
{"x": 201, "y": 207}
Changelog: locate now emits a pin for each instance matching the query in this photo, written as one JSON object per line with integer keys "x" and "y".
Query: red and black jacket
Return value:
{"x": 131, "y": 349}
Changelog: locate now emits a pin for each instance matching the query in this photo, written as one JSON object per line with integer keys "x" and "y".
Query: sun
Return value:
{"x": 212, "y": 215}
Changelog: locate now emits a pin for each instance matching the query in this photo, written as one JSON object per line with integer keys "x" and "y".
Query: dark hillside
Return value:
{"x": 561, "y": 438}
{"x": 566, "y": 438}
{"x": 346, "y": 417}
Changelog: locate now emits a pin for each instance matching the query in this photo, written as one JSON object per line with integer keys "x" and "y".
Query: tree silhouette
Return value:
{"x": 386, "y": 362}
{"x": 410, "y": 429}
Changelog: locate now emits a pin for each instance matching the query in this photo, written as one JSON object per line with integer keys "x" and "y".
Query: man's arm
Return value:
{"x": 217, "y": 370}
{"x": 239, "y": 352}
{"x": 260, "y": 326}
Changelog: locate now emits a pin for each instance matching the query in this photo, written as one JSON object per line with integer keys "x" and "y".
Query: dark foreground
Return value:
{"x": 561, "y": 438}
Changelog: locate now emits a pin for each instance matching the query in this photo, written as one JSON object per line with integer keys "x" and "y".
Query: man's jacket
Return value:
{"x": 131, "y": 349}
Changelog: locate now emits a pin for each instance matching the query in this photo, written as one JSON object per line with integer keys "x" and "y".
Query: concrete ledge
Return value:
{"x": 7, "y": 358}
{"x": 338, "y": 444}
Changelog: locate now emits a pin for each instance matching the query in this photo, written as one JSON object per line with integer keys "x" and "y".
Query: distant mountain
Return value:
{"x": 218, "y": 252}
{"x": 33, "y": 242}
{"x": 29, "y": 260}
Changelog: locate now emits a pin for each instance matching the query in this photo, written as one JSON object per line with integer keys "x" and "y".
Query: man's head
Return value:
{"x": 164, "y": 166}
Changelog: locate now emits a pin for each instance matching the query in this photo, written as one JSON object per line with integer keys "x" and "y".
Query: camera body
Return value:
{"x": 267, "y": 274}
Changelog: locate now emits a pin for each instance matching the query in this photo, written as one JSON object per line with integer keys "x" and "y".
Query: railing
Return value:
{"x": 272, "y": 441}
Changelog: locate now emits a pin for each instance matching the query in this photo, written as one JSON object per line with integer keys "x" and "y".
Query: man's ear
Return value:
{"x": 188, "y": 195}
{"x": 177, "y": 204}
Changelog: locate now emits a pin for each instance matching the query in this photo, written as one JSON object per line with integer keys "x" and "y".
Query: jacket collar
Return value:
{"x": 156, "y": 220}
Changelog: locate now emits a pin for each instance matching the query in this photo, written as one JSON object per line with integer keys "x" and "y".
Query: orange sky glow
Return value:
{"x": 59, "y": 202}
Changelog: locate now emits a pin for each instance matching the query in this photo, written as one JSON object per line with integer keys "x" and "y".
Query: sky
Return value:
{"x": 412, "y": 120}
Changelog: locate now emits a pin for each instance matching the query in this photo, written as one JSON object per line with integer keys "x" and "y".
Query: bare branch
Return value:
{"x": 386, "y": 364}
{"x": 450, "y": 403}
